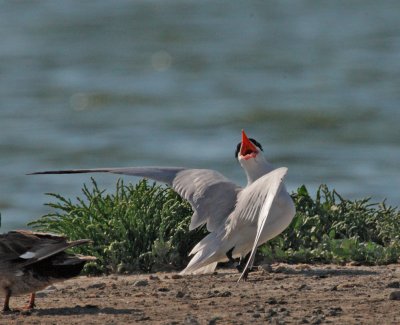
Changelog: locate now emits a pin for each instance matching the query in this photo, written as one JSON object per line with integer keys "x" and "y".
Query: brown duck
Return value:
{"x": 31, "y": 261}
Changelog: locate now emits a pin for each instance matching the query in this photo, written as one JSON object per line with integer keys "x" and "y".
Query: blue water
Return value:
{"x": 130, "y": 83}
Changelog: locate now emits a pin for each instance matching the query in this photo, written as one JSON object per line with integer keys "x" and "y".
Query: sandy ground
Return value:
{"x": 287, "y": 294}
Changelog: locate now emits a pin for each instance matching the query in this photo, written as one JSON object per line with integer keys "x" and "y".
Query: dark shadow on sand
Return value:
{"x": 85, "y": 310}
{"x": 325, "y": 272}
{"x": 322, "y": 273}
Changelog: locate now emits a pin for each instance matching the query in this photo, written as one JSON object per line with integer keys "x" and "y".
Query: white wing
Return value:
{"x": 211, "y": 195}
{"x": 274, "y": 181}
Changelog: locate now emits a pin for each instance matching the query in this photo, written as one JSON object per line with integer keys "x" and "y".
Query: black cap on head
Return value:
{"x": 256, "y": 143}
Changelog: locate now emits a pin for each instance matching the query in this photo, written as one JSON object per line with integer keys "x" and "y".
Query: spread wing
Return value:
{"x": 23, "y": 247}
{"x": 211, "y": 195}
{"x": 13, "y": 244}
{"x": 261, "y": 195}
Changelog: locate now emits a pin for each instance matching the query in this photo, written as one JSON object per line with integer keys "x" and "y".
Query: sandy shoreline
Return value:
{"x": 290, "y": 294}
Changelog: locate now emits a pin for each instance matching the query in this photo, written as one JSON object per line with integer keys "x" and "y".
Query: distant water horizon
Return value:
{"x": 101, "y": 84}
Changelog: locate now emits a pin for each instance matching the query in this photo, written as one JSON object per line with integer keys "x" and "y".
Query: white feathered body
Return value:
{"x": 241, "y": 226}
{"x": 280, "y": 218}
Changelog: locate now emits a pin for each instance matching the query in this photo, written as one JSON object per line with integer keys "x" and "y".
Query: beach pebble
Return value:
{"x": 271, "y": 313}
{"x": 99, "y": 285}
{"x": 302, "y": 267}
{"x": 395, "y": 295}
{"x": 214, "y": 320}
{"x": 141, "y": 283}
{"x": 153, "y": 277}
{"x": 163, "y": 289}
{"x": 43, "y": 293}
{"x": 51, "y": 288}
{"x": 304, "y": 287}
{"x": 267, "y": 268}
{"x": 180, "y": 294}
{"x": 191, "y": 320}
{"x": 394, "y": 284}
{"x": 335, "y": 311}
{"x": 316, "y": 320}
{"x": 281, "y": 269}
{"x": 272, "y": 301}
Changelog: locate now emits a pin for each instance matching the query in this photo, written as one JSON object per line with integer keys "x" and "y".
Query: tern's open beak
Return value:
{"x": 247, "y": 149}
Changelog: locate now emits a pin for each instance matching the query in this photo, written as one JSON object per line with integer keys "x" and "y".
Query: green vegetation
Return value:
{"x": 331, "y": 229}
{"x": 145, "y": 228}
{"x": 139, "y": 228}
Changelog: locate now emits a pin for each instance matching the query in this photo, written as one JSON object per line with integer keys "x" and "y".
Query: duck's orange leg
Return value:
{"x": 31, "y": 304}
{"x": 6, "y": 306}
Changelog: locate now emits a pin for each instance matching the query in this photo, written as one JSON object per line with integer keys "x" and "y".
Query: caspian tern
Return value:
{"x": 238, "y": 219}
{"x": 31, "y": 261}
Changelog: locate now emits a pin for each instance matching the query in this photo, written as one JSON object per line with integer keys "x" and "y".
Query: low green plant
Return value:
{"x": 139, "y": 227}
{"x": 145, "y": 227}
{"x": 330, "y": 228}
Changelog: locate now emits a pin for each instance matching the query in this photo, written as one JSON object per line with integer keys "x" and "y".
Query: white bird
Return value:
{"x": 238, "y": 219}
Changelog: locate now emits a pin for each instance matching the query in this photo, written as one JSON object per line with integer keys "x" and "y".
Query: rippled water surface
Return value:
{"x": 128, "y": 83}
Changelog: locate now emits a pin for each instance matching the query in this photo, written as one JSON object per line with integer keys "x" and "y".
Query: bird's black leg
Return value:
{"x": 242, "y": 263}
{"x": 231, "y": 259}
{"x": 229, "y": 256}
{"x": 246, "y": 274}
